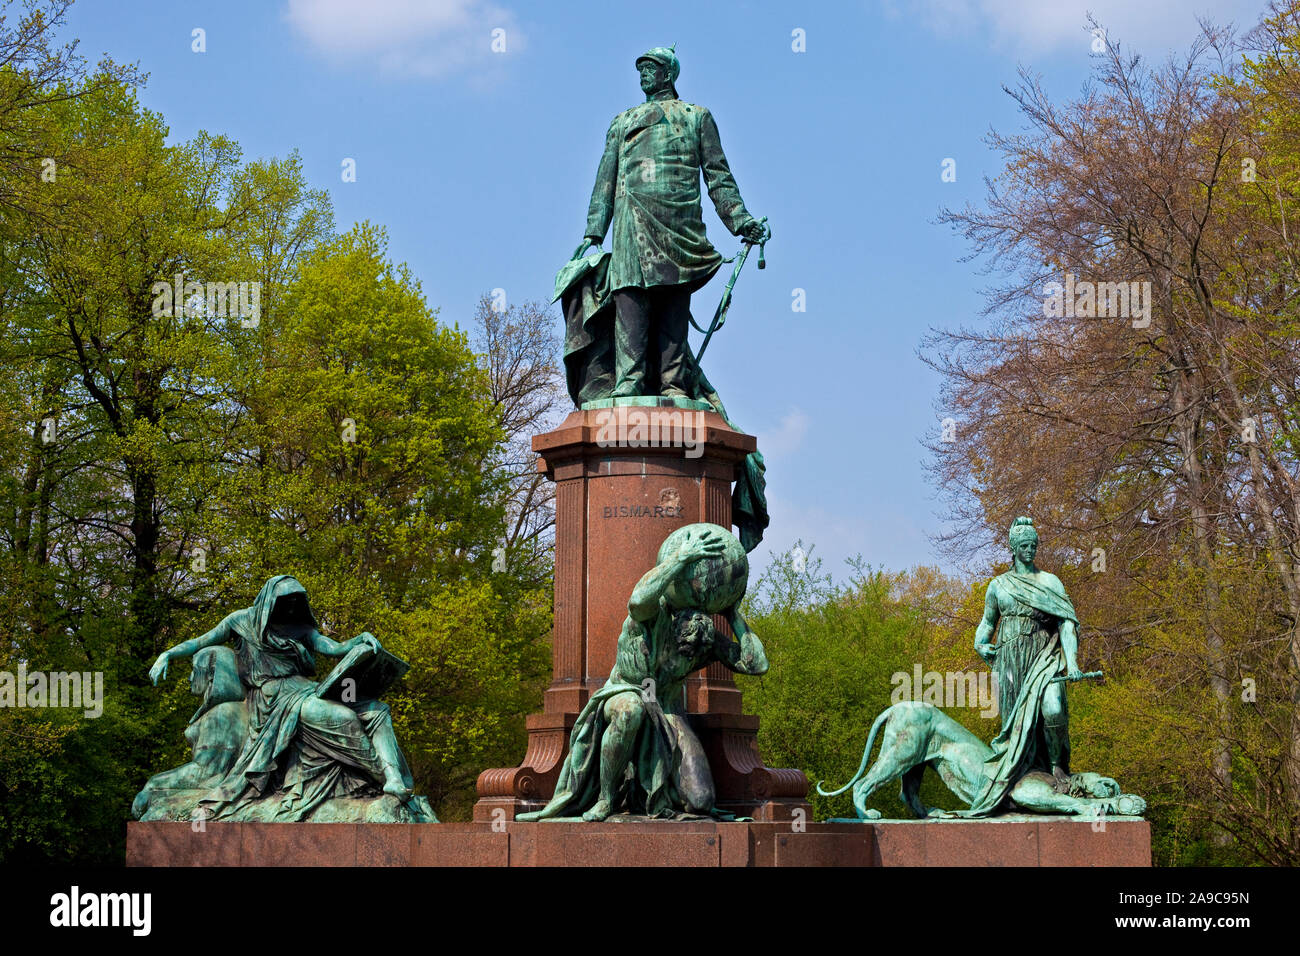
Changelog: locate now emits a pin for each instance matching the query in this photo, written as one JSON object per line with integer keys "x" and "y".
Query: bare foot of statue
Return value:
{"x": 395, "y": 787}
{"x": 599, "y": 812}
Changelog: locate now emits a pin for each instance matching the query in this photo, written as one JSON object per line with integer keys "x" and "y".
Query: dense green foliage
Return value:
{"x": 161, "y": 455}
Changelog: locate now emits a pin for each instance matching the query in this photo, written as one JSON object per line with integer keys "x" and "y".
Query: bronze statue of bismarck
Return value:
{"x": 648, "y": 189}
{"x": 627, "y": 310}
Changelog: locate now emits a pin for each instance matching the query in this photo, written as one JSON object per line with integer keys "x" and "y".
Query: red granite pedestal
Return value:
{"x": 1008, "y": 841}
{"x": 625, "y": 478}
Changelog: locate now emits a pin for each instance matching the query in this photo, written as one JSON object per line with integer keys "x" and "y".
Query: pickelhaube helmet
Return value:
{"x": 665, "y": 56}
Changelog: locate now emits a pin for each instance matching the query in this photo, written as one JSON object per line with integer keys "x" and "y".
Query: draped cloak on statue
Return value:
{"x": 1028, "y": 657}
{"x": 311, "y": 763}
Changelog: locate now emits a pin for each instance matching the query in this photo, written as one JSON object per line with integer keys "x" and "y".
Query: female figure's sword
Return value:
{"x": 1086, "y": 675}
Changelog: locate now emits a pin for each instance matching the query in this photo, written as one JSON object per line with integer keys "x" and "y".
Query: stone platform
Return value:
{"x": 1007, "y": 841}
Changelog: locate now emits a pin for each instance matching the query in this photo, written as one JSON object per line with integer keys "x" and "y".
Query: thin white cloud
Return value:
{"x": 786, "y": 437}
{"x": 420, "y": 38}
{"x": 1030, "y": 27}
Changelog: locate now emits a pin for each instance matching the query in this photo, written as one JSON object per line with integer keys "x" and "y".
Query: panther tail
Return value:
{"x": 866, "y": 756}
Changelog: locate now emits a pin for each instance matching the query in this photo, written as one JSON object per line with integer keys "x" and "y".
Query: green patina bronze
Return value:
{"x": 269, "y": 742}
{"x": 1027, "y": 766}
{"x": 627, "y": 310}
{"x": 632, "y": 750}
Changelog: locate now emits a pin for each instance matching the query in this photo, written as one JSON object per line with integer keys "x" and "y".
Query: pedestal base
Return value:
{"x": 745, "y": 786}
{"x": 1006, "y": 841}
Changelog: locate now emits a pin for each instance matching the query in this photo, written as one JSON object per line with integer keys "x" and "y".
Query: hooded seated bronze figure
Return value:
{"x": 266, "y": 744}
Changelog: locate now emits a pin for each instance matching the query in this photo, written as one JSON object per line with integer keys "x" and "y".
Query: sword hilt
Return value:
{"x": 762, "y": 249}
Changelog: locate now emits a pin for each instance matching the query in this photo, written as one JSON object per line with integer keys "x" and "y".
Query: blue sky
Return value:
{"x": 480, "y": 165}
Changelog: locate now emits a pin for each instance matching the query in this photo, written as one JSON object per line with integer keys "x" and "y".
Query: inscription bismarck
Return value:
{"x": 642, "y": 511}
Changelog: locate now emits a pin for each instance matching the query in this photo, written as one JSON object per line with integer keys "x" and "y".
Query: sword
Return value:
{"x": 1087, "y": 675}
{"x": 720, "y": 315}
